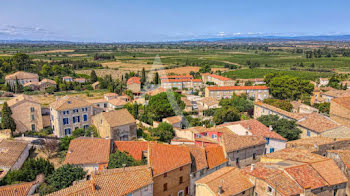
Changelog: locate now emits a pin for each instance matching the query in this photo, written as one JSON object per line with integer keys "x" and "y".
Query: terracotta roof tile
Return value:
{"x": 228, "y": 88}
{"x": 343, "y": 101}
{"x": 156, "y": 91}
{"x": 117, "y": 118}
{"x": 330, "y": 172}
{"x": 164, "y": 157}
{"x": 310, "y": 142}
{"x": 231, "y": 179}
{"x": 132, "y": 80}
{"x": 337, "y": 93}
{"x": 199, "y": 157}
{"x": 233, "y": 142}
{"x": 317, "y": 122}
{"x": 294, "y": 116}
{"x": 21, "y": 189}
{"x": 209, "y": 101}
{"x": 84, "y": 150}
{"x": 45, "y": 80}
{"x": 256, "y": 128}
{"x": 177, "y": 77}
{"x": 215, "y": 156}
{"x": 117, "y": 102}
{"x": 344, "y": 155}
{"x": 306, "y": 176}
{"x": 219, "y": 77}
{"x": 173, "y": 119}
{"x": 68, "y": 102}
{"x": 293, "y": 154}
{"x": 21, "y": 98}
{"x": 10, "y": 151}
{"x": 134, "y": 148}
{"x": 20, "y": 75}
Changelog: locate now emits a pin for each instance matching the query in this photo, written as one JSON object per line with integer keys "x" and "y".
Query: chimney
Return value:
{"x": 124, "y": 165}
{"x": 248, "y": 127}
{"x": 220, "y": 190}
{"x": 246, "y": 132}
{"x": 252, "y": 167}
{"x": 270, "y": 127}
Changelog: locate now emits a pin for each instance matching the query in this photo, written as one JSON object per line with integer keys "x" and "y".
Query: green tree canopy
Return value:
{"x": 164, "y": 132}
{"x": 93, "y": 76}
{"x": 241, "y": 103}
{"x": 118, "y": 159}
{"x": 7, "y": 121}
{"x": 21, "y": 61}
{"x": 205, "y": 69}
{"x": 226, "y": 114}
{"x": 65, "y": 176}
{"x": 282, "y": 104}
{"x": 286, "y": 128}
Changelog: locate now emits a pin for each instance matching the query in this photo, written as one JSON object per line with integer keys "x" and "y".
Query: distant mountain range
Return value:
{"x": 239, "y": 38}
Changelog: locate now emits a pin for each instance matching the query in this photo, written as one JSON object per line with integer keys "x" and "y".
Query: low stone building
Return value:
{"x": 299, "y": 107}
{"x": 218, "y": 80}
{"x": 331, "y": 94}
{"x": 91, "y": 154}
{"x": 208, "y": 103}
{"x": 67, "y": 79}
{"x": 296, "y": 172}
{"x": 340, "y": 110}
{"x": 46, "y": 83}
{"x": 134, "y": 84}
{"x": 27, "y": 113}
{"x": 219, "y": 92}
{"x": 116, "y": 125}
{"x": 13, "y": 153}
{"x": 22, "y": 78}
{"x": 225, "y": 181}
{"x": 175, "y": 121}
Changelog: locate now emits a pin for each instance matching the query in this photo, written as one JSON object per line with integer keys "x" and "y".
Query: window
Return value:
{"x": 165, "y": 175}
{"x": 76, "y": 119}
{"x": 214, "y": 136}
{"x": 308, "y": 133}
{"x": 198, "y": 135}
{"x": 32, "y": 117}
{"x": 65, "y": 121}
{"x": 254, "y": 156}
{"x": 237, "y": 160}
{"x": 272, "y": 150}
{"x": 75, "y": 111}
{"x": 267, "y": 140}
{"x": 181, "y": 180}
{"x": 33, "y": 127}
{"x": 67, "y": 131}
{"x": 186, "y": 190}
{"x": 130, "y": 194}
{"x": 105, "y": 105}
{"x": 205, "y": 134}
{"x": 32, "y": 109}
{"x": 165, "y": 187}
{"x": 180, "y": 193}
{"x": 85, "y": 117}
{"x": 269, "y": 190}
{"x": 181, "y": 168}
{"x": 86, "y": 126}
{"x": 201, "y": 173}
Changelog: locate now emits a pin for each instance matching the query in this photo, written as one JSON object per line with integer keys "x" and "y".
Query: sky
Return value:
{"x": 168, "y": 20}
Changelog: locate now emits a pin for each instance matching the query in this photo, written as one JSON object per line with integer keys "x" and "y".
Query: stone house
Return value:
{"x": 175, "y": 121}
{"x": 121, "y": 181}
{"x": 225, "y": 181}
{"x": 340, "y": 110}
{"x": 116, "y": 125}
{"x": 219, "y": 92}
{"x": 342, "y": 159}
{"x": 70, "y": 113}
{"x": 299, "y": 107}
{"x": 218, "y": 80}
{"x": 22, "y": 77}
{"x": 331, "y": 94}
{"x": 134, "y": 84}
{"x": 67, "y": 79}
{"x": 116, "y": 103}
{"x": 46, "y": 83}
{"x": 261, "y": 109}
{"x": 91, "y": 154}
{"x": 27, "y": 113}
{"x": 181, "y": 83}
{"x": 13, "y": 153}
{"x": 208, "y": 103}
{"x": 324, "y": 81}
{"x": 283, "y": 173}
{"x": 274, "y": 141}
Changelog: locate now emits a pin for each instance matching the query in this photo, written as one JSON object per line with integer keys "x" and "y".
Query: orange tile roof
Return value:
{"x": 164, "y": 157}
{"x": 68, "y": 102}
{"x": 175, "y": 80}
{"x": 256, "y": 128}
{"x": 134, "y": 148}
{"x": 232, "y": 180}
{"x": 10, "y": 151}
{"x": 344, "y": 155}
{"x": 228, "y": 88}
{"x": 21, "y": 98}
{"x": 306, "y": 176}
{"x": 173, "y": 119}
{"x": 176, "y": 76}
{"x": 117, "y": 102}
{"x": 233, "y": 142}
{"x": 20, "y": 75}
{"x": 219, "y": 77}
{"x": 337, "y": 93}
{"x": 317, "y": 122}
{"x": 84, "y": 150}
{"x": 291, "y": 115}
{"x": 118, "y": 118}
{"x": 311, "y": 141}
{"x": 136, "y": 80}
{"x": 330, "y": 172}
{"x": 156, "y": 91}
{"x": 215, "y": 156}
{"x": 21, "y": 189}
{"x": 198, "y": 154}
{"x": 197, "y": 80}
{"x": 343, "y": 101}
{"x": 293, "y": 154}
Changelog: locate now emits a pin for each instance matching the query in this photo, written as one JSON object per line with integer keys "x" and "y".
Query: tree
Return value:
{"x": 226, "y": 114}
{"x": 143, "y": 76}
{"x": 7, "y": 121}
{"x": 20, "y": 61}
{"x": 156, "y": 79}
{"x": 241, "y": 103}
{"x": 64, "y": 142}
{"x": 46, "y": 70}
{"x": 282, "y": 104}
{"x": 205, "y": 69}
{"x": 65, "y": 176}
{"x": 161, "y": 105}
{"x": 286, "y": 128}
{"x": 288, "y": 87}
{"x": 323, "y": 107}
{"x": 122, "y": 159}
{"x": 93, "y": 76}
{"x": 164, "y": 132}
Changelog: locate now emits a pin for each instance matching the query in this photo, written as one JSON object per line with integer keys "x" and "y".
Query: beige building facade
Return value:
{"x": 219, "y": 92}
{"x": 22, "y": 77}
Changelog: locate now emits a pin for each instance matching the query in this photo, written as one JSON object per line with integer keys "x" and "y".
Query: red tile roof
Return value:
{"x": 215, "y": 156}
{"x": 233, "y": 142}
{"x": 343, "y": 101}
{"x": 199, "y": 157}
{"x": 330, "y": 172}
{"x": 134, "y": 148}
{"x": 176, "y": 77}
{"x": 317, "y": 122}
{"x": 219, "y": 77}
{"x": 197, "y": 80}
{"x": 136, "y": 80}
{"x": 228, "y": 88}
{"x": 21, "y": 189}
{"x": 164, "y": 158}
{"x": 84, "y": 150}
{"x": 256, "y": 128}
{"x": 306, "y": 176}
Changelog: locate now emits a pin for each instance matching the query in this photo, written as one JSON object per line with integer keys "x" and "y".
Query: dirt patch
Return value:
{"x": 187, "y": 70}
{"x": 77, "y": 55}
{"x": 53, "y": 51}
{"x": 6, "y": 55}
{"x": 130, "y": 66}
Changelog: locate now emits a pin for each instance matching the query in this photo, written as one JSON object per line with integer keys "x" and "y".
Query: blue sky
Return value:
{"x": 161, "y": 20}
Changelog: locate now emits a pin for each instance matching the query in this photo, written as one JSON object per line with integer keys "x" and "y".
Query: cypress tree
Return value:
{"x": 7, "y": 121}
